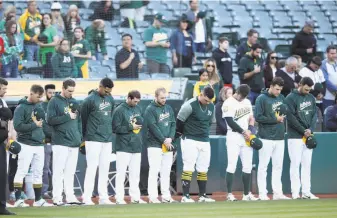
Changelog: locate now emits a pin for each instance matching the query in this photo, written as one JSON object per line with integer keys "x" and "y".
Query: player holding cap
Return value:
{"x": 270, "y": 116}
{"x": 193, "y": 124}
{"x": 237, "y": 110}
{"x": 96, "y": 113}
{"x": 161, "y": 124}
{"x": 126, "y": 123}
{"x": 302, "y": 119}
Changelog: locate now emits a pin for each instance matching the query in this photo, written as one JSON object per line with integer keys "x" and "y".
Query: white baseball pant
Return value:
{"x": 273, "y": 149}
{"x": 132, "y": 161}
{"x": 236, "y": 146}
{"x": 299, "y": 155}
{"x": 195, "y": 155}
{"x": 159, "y": 162}
{"x": 64, "y": 168}
{"x": 97, "y": 155}
{"x": 29, "y": 190}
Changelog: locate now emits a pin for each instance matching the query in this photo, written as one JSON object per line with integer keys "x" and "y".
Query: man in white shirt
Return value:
{"x": 329, "y": 69}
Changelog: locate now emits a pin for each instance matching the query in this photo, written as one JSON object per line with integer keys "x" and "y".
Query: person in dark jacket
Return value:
{"x": 270, "y": 68}
{"x": 221, "y": 124}
{"x": 104, "y": 11}
{"x": 304, "y": 43}
{"x": 244, "y": 47}
{"x": 330, "y": 117}
{"x": 224, "y": 61}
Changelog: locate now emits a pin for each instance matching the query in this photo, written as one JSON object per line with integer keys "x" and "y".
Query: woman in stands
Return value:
{"x": 214, "y": 79}
{"x": 57, "y": 20}
{"x": 13, "y": 48}
{"x": 47, "y": 40}
{"x": 270, "y": 68}
{"x": 221, "y": 125}
{"x": 80, "y": 49}
{"x": 71, "y": 21}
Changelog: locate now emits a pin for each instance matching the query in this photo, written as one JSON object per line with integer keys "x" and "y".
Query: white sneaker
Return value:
{"x": 309, "y": 196}
{"x": 206, "y": 199}
{"x": 58, "y": 203}
{"x": 88, "y": 203}
{"x": 9, "y": 205}
{"x": 280, "y": 197}
{"x": 140, "y": 201}
{"x": 121, "y": 202}
{"x": 73, "y": 200}
{"x": 264, "y": 198}
{"x": 169, "y": 200}
{"x": 20, "y": 203}
{"x": 42, "y": 203}
{"x": 187, "y": 199}
{"x": 154, "y": 201}
{"x": 230, "y": 197}
{"x": 105, "y": 202}
{"x": 249, "y": 197}
{"x": 296, "y": 196}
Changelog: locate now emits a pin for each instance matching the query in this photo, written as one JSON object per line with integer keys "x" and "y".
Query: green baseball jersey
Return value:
{"x": 197, "y": 118}
{"x": 158, "y": 53}
{"x": 81, "y": 47}
{"x": 50, "y": 32}
{"x": 266, "y": 107}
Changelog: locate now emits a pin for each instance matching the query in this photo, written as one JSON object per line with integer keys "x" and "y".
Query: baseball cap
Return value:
{"x": 56, "y": 6}
{"x": 39, "y": 113}
{"x": 283, "y": 109}
{"x": 160, "y": 17}
{"x": 319, "y": 87}
{"x": 311, "y": 142}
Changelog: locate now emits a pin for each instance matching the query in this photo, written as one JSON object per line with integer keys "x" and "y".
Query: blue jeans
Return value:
{"x": 31, "y": 52}
{"x": 327, "y": 103}
{"x": 252, "y": 96}
{"x": 200, "y": 47}
{"x": 11, "y": 69}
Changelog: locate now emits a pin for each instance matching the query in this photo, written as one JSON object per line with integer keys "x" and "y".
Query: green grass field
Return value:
{"x": 292, "y": 208}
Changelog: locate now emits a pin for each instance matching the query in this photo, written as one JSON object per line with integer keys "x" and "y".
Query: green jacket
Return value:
{"x": 96, "y": 113}
{"x": 63, "y": 65}
{"x": 47, "y": 129}
{"x": 95, "y": 38}
{"x": 66, "y": 132}
{"x": 27, "y": 131}
{"x": 161, "y": 124}
{"x": 301, "y": 114}
{"x": 265, "y": 108}
{"x": 126, "y": 139}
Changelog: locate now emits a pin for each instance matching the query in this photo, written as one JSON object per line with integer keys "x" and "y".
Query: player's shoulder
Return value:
{"x": 190, "y": 102}
{"x": 246, "y": 101}
{"x": 229, "y": 101}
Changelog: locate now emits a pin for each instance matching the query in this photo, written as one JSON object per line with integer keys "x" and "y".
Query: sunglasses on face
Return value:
{"x": 210, "y": 66}
{"x": 274, "y": 58}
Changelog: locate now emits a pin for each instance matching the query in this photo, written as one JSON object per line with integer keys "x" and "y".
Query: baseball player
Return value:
{"x": 237, "y": 110}
{"x": 193, "y": 124}
{"x": 66, "y": 139}
{"x": 270, "y": 118}
{"x": 161, "y": 124}
{"x": 96, "y": 113}
{"x": 126, "y": 123}
{"x": 301, "y": 119}
{"x": 30, "y": 136}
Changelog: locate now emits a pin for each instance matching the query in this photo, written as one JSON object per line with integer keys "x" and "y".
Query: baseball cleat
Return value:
{"x": 140, "y": 201}
{"x": 249, "y": 197}
{"x": 280, "y": 197}
{"x": 169, "y": 200}
{"x": 154, "y": 201}
{"x": 295, "y": 197}
{"x": 20, "y": 203}
{"x": 58, "y": 203}
{"x": 310, "y": 196}
{"x": 73, "y": 201}
{"x": 88, "y": 202}
{"x": 121, "y": 202}
{"x": 42, "y": 203}
{"x": 187, "y": 199}
{"x": 105, "y": 202}
{"x": 9, "y": 205}
{"x": 206, "y": 199}
{"x": 264, "y": 198}
{"x": 230, "y": 197}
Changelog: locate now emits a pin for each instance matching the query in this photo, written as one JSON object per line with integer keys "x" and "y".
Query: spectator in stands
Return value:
{"x": 96, "y": 38}
{"x": 13, "y": 47}
{"x": 9, "y": 12}
{"x": 289, "y": 75}
{"x": 57, "y": 20}
{"x": 330, "y": 117}
{"x": 157, "y": 43}
{"x": 270, "y": 68}
{"x": 202, "y": 29}
{"x": 127, "y": 59}
{"x": 71, "y": 21}
{"x": 1, "y": 10}
{"x": 30, "y": 22}
{"x": 312, "y": 70}
{"x": 213, "y": 76}
{"x": 80, "y": 49}
{"x": 304, "y": 44}
{"x": 134, "y": 10}
{"x": 244, "y": 47}
{"x": 299, "y": 63}
{"x": 329, "y": 69}
{"x": 104, "y": 11}
{"x": 47, "y": 40}
{"x": 224, "y": 61}
{"x": 250, "y": 71}
{"x": 182, "y": 45}
{"x": 202, "y": 83}
{"x": 221, "y": 124}
{"x": 63, "y": 62}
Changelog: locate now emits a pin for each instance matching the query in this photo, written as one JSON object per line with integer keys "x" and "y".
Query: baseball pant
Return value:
{"x": 134, "y": 13}
{"x": 236, "y": 146}
{"x": 159, "y": 163}
{"x": 29, "y": 186}
{"x": 273, "y": 149}
{"x": 64, "y": 168}
{"x": 196, "y": 155}
{"x": 32, "y": 156}
{"x": 299, "y": 155}
{"x": 97, "y": 155}
{"x": 132, "y": 161}
{"x": 46, "y": 168}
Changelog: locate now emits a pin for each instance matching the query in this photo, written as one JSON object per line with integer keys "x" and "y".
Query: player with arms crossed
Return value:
{"x": 193, "y": 123}
{"x": 270, "y": 114}
{"x": 302, "y": 119}
{"x": 237, "y": 110}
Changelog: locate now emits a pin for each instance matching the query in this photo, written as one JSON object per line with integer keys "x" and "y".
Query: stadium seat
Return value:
{"x": 99, "y": 72}
{"x": 144, "y": 76}
{"x": 180, "y": 72}
{"x": 109, "y": 63}
{"x": 112, "y": 76}
{"x": 27, "y": 76}
{"x": 284, "y": 50}
{"x": 160, "y": 76}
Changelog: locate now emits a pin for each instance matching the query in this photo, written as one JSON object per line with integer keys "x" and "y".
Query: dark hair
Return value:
{"x": 330, "y": 47}
{"x": 49, "y": 86}
{"x": 208, "y": 92}
{"x": 106, "y": 83}
{"x": 268, "y": 57}
{"x": 125, "y": 35}
{"x": 243, "y": 90}
{"x": 74, "y": 38}
{"x": 37, "y": 89}
{"x": 3, "y": 81}
{"x": 134, "y": 94}
{"x": 10, "y": 36}
{"x": 43, "y": 27}
{"x": 306, "y": 81}
{"x": 202, "y": 71}
{"x": 277, "y": 81}
{"x": 251, "y": 32}
{"x": 10, "y": 17}
{"x": 256, "y": 46}
{"x": 68, "y": 82}
{"x": 222, "y": 39}
{"x": 316, "y": 60}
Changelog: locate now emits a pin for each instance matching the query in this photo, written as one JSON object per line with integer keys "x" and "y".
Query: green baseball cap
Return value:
{"x": 74, "y": 105}
{"x": 311, "y": 142}
{"x": 39, "y": 113}
{"x": 319, "y": 87}
{"x": 160, "y": 17}
{"x": 256, "y": 143}
{"x": 283, "y": 109}
{"x": 14, "y": 148}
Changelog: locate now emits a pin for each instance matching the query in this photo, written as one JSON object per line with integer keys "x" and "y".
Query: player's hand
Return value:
{"x": 309, "y": 50}
{"x": 72, "y": 115}
{"x": 175, "y": 60}
{"x": 136, "y": 127}
{"x": 38, "y": 123}
{"x": 319, "y": 96}
{"x": 169, "y": 146}
{"x": 168, "y": 140}
{"x": 246, "y": 134}
{"x": 280, "y": 119}
{"x": 132, "y": 55}
{"x": 307, "y": 133}
{"x": 165, "y": 45}
{"x": 257, "y": 69}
